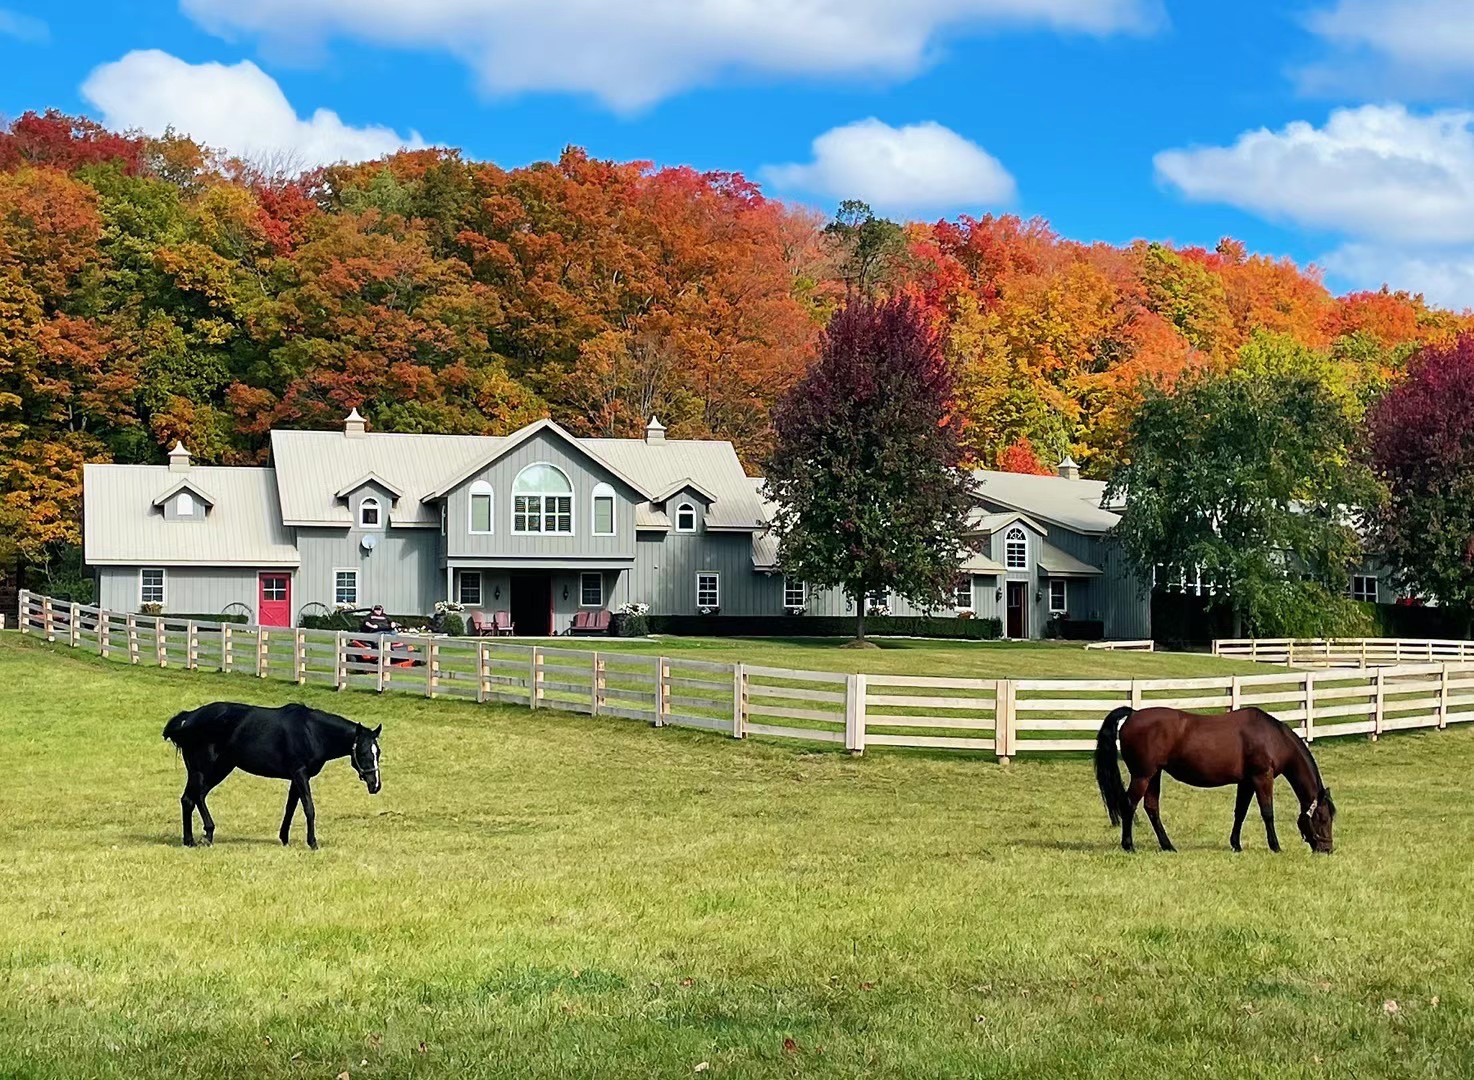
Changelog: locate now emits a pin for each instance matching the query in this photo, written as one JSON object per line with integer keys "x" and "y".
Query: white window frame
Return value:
{"x": 1016, "y": 536}
{"x": 481, "y": 490}
{"x": 584, "y": 577}
{"x": 1064, "y": 596}
{"x": 602, "y": 491}
{"x": 261, "y": 580}
{"x": 184, "y": 505}
{"x": 803, "y": 592}
{"x": 1359, "y": 594}
{"x": 542, "y": 498}
{"x": 345, "y": 570}
{"x": 684, "y": 508}
{"x": 364, "y": 504}
{"x": 716, "y": 588}
{"x": 444, "y": 517}
{"x": 964, "y": 582}
{"x": 163, "y": 584}
{"x": 467, "y": 575}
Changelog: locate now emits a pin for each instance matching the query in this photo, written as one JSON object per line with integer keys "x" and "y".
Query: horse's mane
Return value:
{"x": 1302, "y": 749}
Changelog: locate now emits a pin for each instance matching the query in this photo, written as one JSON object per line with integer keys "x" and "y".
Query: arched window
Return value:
{"x": 1016, "y": 549}
{"x": 481, "y": 495}
{"x": 686, "y": 518}
{"x": 542, "y": 501}
{"x": 185, "y": 505}
{"x": 369, "y": 514}
{"x": 603, "y": 510}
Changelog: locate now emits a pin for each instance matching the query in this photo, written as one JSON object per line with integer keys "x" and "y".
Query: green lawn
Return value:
{"x": 543, "y": 895}
{"x": 912, "y": 656}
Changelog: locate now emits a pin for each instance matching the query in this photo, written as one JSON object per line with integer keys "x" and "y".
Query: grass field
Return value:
{"x": 912, "y": 656}
{"x": 541, "y": 895}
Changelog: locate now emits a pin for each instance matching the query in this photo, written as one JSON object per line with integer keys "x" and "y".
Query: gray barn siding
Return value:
{"x": 191, "y": 590}
{"x": 582, "y": 473}
{"x": 664, "y": 575}
{"x": 1116, "y": 596}
{"x": 403, "y": 572}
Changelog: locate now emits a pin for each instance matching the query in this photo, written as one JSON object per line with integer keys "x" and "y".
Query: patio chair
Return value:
{"x": 502, "y": 623}
{"x": 590, "y": 622}
{"x": 480, "y": 625}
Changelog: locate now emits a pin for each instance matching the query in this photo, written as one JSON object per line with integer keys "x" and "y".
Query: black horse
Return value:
{"x": 291, "y": 743}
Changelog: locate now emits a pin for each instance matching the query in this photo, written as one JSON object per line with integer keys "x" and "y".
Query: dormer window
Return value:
{"x": 1016, "y": 549}
{"x": 184, "y": 505}
{"x": 685, "y": 518}
{"x": 370, "y": 514}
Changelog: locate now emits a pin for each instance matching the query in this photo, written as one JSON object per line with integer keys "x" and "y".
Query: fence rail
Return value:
{"x": 1003, "y": 717}
{"x": 1344, "y": 652}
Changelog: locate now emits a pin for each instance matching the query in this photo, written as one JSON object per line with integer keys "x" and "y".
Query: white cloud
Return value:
{"x": 1376, "y": 171}
{"x": 235, "y": 107}
{"x": 1397, "y": 185}
{"x": 632, "y": 54}
{"x": 919, "y": 167}
{"x": 23, "y": 27}
{"x": 1399, "y": 46}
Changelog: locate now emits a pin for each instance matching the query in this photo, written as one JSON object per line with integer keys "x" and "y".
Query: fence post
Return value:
{"x": 1443, "y": 697}
{"x": 131, "y": 625}
{"x": 1253, "y": 648}
{"x": 1135, "y": 694}
{"x": 1235, "y": 692}
{"x": 383, "y": 672}
{"x": 23, "y": 609}
{"x": 74, "y": 625}
{"x": 1379, "y": 715}
{"x": 48, "y": 618}
{"x": 263, "y": 642}
{"x": 1309, "y": 707}
{"x": 432, "y": 667}
{"x": 299, "y": 656}
{"x": 662, "y": 690}
{"x": 227, "y": 647}
{"x": 1215, "y": 646}
{"x": 340, "y": 661}
{"x": 104, "y": 633}
{"x": 739, "y": 700}
{"x": 596, "y": 684}
{"x": 191, "y": 646}
{"x": 535, "y": 677}
{"x": 1363, "y": 652}
{"x": 854, "y": 714}
{"x": 483, "y": 671}
{"x": 161, "y": 643}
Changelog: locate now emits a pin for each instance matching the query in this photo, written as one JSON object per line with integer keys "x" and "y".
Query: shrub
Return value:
{"x": 631, "y": 620}
{"x": 824, "y": 626}
{"x": 453, "y": 625}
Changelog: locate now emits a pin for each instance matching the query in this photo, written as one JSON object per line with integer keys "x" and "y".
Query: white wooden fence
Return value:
{"x": 1003, "y": 717}
{"x": 1344, "y": 652}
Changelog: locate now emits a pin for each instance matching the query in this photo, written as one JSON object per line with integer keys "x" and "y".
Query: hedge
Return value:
{"x": 823, "y": 626}
{"x": 215, "y": 617}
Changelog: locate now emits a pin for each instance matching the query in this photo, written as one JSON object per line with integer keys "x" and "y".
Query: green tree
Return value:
{"x": 1248, "y": 479}
{"x": 868, "y": 246}
{"x": 867, "y": 475}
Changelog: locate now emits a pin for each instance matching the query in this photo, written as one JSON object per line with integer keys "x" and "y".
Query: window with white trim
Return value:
{"x": 685, "y": 518}
{"x": 1364, "y": 588}
{"x": 795, "y": 593}
{"x": 184, "y": 506}
{"x": 542, "y": 501}
{"x": 481, "y": 521}
{"x": 591, "y": 589}
{"x": 444, "y": 517}
{"x": 603, "y": 510}
{"x": 150, "y": 586}
{"x": 1058, "y": 596}
{"x": 370, "y": 514}
{"x": 345, "y": 587}
{"x": 708, "y": 589}
{"x": 962, "y": 593}
{"x": 470, "y": 590}
{"x": 1016, "y": 549}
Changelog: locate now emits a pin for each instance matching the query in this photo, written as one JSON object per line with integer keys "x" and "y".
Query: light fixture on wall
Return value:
{"x": 565, "y": 592}
{"x": 998, "y": 593}
{"x": 1038, "y": 595}
{"x": 497, "y": 593}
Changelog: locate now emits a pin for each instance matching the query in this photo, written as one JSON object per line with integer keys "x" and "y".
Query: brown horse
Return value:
{"x": 1247, "y": 747}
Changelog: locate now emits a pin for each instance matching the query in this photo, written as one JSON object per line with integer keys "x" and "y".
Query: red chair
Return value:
{"x": 590, "y": 622}
{"x": 502, "y": 623}
{"x": 480, "y": 625}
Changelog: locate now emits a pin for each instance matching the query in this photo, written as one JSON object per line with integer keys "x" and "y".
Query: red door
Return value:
{"x": 274, "y": 605}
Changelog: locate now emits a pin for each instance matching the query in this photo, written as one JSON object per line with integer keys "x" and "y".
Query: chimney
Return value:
{"x": 1068, "y": 469}
{"x": 654, "y": 431}
{"x": 179, "y": 458}
{"x": 354, "y": 427}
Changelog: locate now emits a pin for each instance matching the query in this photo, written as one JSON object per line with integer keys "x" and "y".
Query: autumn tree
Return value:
{"x": 867, "y": 247}
{"x": 1247, "y": 481}
{"x": 1420, "y": 442}
{"x": 867, "y": 471}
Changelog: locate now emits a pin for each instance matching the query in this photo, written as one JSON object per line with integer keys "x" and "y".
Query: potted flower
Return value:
{"x": 631, "y": 620}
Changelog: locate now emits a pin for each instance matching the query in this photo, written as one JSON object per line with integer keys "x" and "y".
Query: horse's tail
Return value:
{"x": 1107, "y": 772}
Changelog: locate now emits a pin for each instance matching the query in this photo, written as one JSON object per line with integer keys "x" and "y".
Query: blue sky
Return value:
{"x": 1332, "y": 131}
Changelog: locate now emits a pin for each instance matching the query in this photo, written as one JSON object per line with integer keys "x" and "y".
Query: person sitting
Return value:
{"x": 377, "y": 622}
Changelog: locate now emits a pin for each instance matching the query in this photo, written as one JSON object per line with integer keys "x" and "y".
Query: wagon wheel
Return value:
{"x": 237, "y": 609}
{"x": 315, "y": 609}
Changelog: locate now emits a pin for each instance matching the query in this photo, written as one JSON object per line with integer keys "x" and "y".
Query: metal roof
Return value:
{"x": 1074, "y": 504}
{"x": 1059, "y": 563}
{"x": 122, "y": 524}
{"x": 660, "y": 466}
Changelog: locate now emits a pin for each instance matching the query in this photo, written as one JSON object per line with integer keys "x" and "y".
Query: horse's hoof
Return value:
{"x": 189, "y": 841}
{"x": 284, "y": 841}
{"x": 1168, "y": 847}
{"x": 1238, "y": 849}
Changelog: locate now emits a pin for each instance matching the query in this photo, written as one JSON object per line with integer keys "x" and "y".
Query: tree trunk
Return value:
{"x": 860, "y": 623}
{"x": 1238, "y": 623}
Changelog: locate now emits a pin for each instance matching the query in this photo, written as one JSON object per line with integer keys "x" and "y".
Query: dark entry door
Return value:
{"x": 532, "y": 604}
{"x": 1018, "y": 623}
